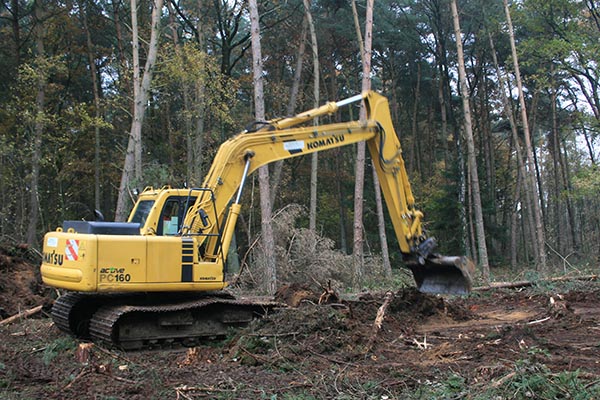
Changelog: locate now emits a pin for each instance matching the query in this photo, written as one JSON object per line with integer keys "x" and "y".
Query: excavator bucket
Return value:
{"x": 443, "y": 274}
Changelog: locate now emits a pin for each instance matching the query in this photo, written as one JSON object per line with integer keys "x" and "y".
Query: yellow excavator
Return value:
{"x": 159, "y": 278}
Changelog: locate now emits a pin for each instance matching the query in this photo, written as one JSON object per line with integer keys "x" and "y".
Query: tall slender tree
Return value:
{"x": 141, "y": 88}
{"x": 39, "y": 124}
{"x": 359, "y": 180}
{"x": 530, "y": 177}
{"x": 472, "y": 160}
{"x": 385, "y": 253}
{"x": 314, "y": 165}
{"x": 268, "y": 240}
{"x": 96, "y": 91}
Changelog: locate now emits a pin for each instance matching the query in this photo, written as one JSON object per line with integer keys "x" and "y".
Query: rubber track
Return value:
{"x": 106, "y": 318}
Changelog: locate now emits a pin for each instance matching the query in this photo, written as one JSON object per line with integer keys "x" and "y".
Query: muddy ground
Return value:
{"x": 541, "y": 342}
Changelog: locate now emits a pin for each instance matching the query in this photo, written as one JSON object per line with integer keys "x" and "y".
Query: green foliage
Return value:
{"x": 439, "y": 200}
{"x": 586, "y": 183}
{"x": 58, "y": 347}
{"x": 536, "y": 381}
{"x": 527, "y": 381}
{"x": 202, "y": 94}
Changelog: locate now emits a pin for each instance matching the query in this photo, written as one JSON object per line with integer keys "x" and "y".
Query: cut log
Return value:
{"x": 24, "y": 314}
{"x": 520, "y": 284}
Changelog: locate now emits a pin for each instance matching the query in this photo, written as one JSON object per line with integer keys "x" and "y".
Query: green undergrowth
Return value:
{"x": 526, "y": 380}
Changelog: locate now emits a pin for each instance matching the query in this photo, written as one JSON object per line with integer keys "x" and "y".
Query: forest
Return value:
{"x": 100, "y": 100}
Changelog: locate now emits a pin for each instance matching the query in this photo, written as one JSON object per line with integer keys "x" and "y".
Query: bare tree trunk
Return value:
{"x": 312, "y": 215}
{"x": 476, "y": 194}
{"x": 263, "y": 172}
{"x": 562, "y": 178}
{"x": 340, "y": 195}
{"x": 278, "y": 167}
{"x": 38, "y": 129}
{"x": 412, "y": 165}
{"x": 358, "y": 256}
{"x": 138, "y": 104}
{"x": 124, "y": 78}
{"x": 531, "y": 181}
{"x": 528, "y": 212}
{"x": 385, "y": 253}
{"x": 97, "y": 111}
{"x": 513, "y": 223}
{"x": 133, "y": 156}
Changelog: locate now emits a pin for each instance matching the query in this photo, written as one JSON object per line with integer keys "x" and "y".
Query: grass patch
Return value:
{"x": 526, "y": 381}
{"x": 59, "y": 346}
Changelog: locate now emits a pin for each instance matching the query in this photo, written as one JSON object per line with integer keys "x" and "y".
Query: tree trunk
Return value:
{"x": 263, "y": 172}
{"x": 529, "y": 178}
{"x": 291, "y": 107}
{"x": 340, "y": 195}
{"x": 312, "y": 215}
{"x": 412, "y": 164}
{"x": 38, "y": 129}
{"x": 358, "y": 256}
{"x": 97, "y": 111}
{"x": 514, "y": 215}
{"x": 133, "y": 156}
{"x": 472, "y": 162}
{"x": 527, "y": 214}
{"x": 385, "y": 253}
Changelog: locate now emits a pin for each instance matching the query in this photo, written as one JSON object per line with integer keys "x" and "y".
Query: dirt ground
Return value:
{"x": 491, "y": 344}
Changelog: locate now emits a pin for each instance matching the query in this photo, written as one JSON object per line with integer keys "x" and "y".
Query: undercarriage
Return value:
{"x": 150, "y": 320}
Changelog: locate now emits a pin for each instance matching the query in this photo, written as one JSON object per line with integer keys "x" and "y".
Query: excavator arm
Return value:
{"x": 212, "y": 218}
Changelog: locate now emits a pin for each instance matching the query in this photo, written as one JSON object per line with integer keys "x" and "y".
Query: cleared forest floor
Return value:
{"x": 529, "y": 343}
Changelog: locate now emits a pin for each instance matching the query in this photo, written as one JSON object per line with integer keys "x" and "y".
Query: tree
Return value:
{"x": 472, "y": 161}
{"x": 358, "y": 252}
{"x": 530, "y": 178}
{"x": 96, "y": 92}
{"x": 133, "y": 156}
{"x": 312, "y": 224}
{"x": 39, "y": 124}
{"x": 263, "y": 172}
{"x": 387, "y": 267}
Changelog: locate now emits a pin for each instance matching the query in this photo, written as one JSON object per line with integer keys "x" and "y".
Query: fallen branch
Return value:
{"x": 421, "y": 345}
{"x": 501, "y": 381}
{"x": 84, "y": 371}
{"x": 389, "y": 296}
{"x": 24, "y": 314}
{"x": 539, "y": 321}
{"x": 521, "y": 284}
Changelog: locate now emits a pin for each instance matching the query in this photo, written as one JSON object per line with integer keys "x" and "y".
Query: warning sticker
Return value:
{"x": 72, "y": 250}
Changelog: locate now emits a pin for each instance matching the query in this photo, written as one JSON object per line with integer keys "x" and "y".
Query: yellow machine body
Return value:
{"x": 178, "y": 239}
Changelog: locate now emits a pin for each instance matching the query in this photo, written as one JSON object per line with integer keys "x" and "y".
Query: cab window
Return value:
{"x": 141, "y": 212}
{"x": 172, "y": 215}
{"x": 169, "y": 220}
